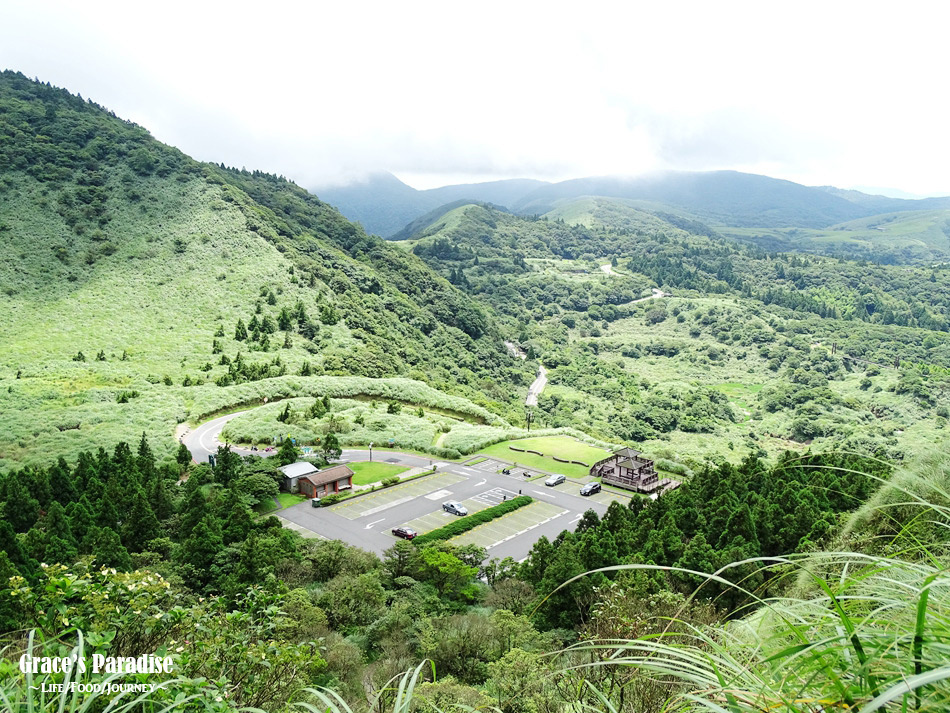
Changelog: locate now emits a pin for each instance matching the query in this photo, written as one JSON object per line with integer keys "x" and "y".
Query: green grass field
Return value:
{"x": 560, "y": 446}
{"x": 286, "y": 500}
{"x": 366, "y": 472}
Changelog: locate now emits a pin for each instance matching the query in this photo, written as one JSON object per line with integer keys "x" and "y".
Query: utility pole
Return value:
{"x": 370, "y": 452}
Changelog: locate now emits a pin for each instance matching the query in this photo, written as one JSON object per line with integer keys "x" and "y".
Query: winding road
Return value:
{"x": 537, "y": 386}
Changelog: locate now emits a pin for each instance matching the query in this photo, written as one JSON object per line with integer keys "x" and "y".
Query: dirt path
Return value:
{"x": 609, "y": 270}
{"x": 537, "y": 386}
{"x": 657, "y": 294}
{"x": 515, "y": 350}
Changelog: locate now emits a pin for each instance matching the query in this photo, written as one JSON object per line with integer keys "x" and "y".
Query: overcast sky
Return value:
{"x": 848, "y": 94}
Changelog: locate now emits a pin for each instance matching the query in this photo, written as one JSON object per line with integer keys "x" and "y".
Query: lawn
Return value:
{"x": 286, "y": 500}
{"x": 560, "y": 446}
{"x": 366, "y": 472}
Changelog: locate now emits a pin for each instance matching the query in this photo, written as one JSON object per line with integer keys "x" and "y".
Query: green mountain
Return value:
{"x": 144, "y": 288}
{"x": 130, "y": 266}
{"x": 729, "y": 197}
{"x": 384, "y": 205}
{"x": 757, "y": 351}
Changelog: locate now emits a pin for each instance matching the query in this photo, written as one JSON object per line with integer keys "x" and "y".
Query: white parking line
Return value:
{"x": 394, "y": 503}
{"x": 517, "y": 534}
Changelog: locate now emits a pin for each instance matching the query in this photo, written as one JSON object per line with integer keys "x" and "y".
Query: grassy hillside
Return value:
{"x": 738, "y": 360}
{"x": 130, "y": 266}
{"x": 908, "y": 237}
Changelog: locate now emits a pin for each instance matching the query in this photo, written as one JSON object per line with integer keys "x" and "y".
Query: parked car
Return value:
{"x": 455, "y": 508}
{"x": 407, "y": 533}
{"x": 590, "y": 488}
{"x": 555, "y": 480}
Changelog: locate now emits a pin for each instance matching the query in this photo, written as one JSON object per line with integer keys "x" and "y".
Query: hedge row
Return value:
{"x": 469, "y": 522}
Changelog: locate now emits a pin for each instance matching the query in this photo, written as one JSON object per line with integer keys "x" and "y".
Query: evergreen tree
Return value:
{"x": 56, "y": 523}
{"x": 331, "y": 447}
{"x": 107, "y": 515}
{"x": 19, "y": 508}
{"x": 106, "y": 547}
{"x": 284, "y": 320}
{"x": 65, "y": 490}
{"x": 141, "y": 526}
{"x": 80, "y": 517}
{"x": 287, "y": 453}
{"x": 240, "y": 331}
{"x": 238, "y": 522}
{"x": 200, "y": 550}
{"x": 145, "y": 461}
{"x": 183, "y": 456}
{"x": 10, "y": 545}
{"x": 227, "y": 466}
{"x": 194, "y": 508}
{"x": 161, "y": 500}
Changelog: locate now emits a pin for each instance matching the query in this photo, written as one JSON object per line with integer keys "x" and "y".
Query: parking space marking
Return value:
{"x": 386, "y": 506}
{"x": 494, "y": 496}
{"x": 431, "y": 521}
{"x": 511, "y": 525}
{"x": 438, "y": 494}
{"x": 605, "y": 497}
{"x": 364, "y": 505}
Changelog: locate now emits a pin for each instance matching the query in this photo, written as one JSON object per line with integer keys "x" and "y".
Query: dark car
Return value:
{"x": 455, "y": 508}
{"x": 406, "y": 533}
{"x": 590, "y": 488}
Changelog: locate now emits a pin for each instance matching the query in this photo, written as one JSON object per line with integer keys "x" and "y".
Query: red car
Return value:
{"x": 404, "y": 532}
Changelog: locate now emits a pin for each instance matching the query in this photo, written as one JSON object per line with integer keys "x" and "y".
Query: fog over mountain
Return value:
{"x": 385, "y": 205}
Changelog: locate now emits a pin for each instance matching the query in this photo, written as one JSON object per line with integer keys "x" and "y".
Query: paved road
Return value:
{"x": 372, "y": 531}
{"x": 537, "y": 386}
{"x": 203, "y": 441}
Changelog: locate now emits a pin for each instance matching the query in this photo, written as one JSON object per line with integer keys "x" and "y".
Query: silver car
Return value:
{"x": 455, "y": 508}
{"x": 555, "y": 480}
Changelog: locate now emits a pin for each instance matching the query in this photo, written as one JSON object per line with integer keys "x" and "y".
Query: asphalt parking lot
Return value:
{"x": 367, "y": 520}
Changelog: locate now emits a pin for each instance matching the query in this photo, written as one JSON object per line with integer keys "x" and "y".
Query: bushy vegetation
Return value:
{"x": 470, "y": 522}
{"x": 641, "y": 634}
{"x": 111, "y": 239}
{"x": 628, "y": 369}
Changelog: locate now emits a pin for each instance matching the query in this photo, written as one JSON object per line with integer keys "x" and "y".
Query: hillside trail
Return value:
{"x": 537, "y": 386}
{"x": 609, "y": 270}
{"x": 657, "y": 294}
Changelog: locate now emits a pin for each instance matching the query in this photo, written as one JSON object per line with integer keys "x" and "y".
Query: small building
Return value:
{"x": 326, "y": 482}
{"x": 628, "y": 469}
{"x": 294, "y": 472}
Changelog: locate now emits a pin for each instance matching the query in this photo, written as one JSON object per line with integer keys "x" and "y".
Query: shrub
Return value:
{"x": 386, "y": 482}
{"x": 474, "y": 520}
{"x": 329, "y": 500}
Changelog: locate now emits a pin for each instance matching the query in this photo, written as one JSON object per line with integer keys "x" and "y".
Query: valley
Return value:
{"x": 360, "y": 466}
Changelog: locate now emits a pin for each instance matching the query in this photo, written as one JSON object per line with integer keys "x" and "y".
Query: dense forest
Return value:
{"x": 180, "y": 551}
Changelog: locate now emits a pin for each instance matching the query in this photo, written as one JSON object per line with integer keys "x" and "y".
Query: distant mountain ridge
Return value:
{"x": 385, "y": 205}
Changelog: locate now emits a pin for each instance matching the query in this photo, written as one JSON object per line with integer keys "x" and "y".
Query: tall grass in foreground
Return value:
{"x": 864, "y": 631}
{"x": 874, "y": 635}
